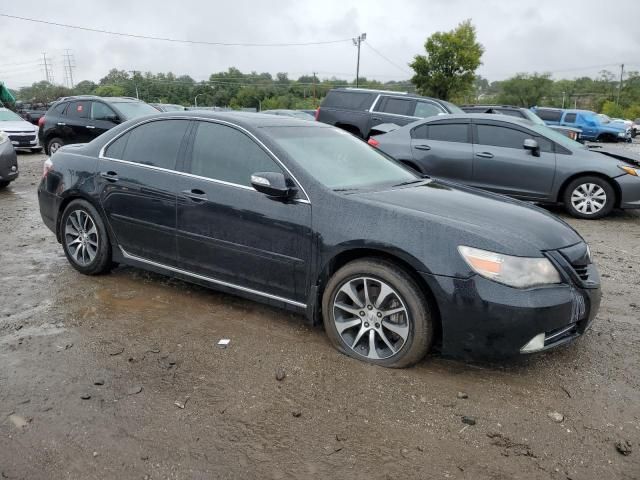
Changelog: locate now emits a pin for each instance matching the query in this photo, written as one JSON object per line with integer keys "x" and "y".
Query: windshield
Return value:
{"x": 172, "y": 108}
{"x": 339, "y": 160}
{"x": 604, "y": 119}
{"x": 134, "y": 109}
{"x": 556, "y": 136}
{"x": 9, "y": 116}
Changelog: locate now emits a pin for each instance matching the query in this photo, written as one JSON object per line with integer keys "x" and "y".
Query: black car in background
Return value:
{"x": 360, "y": 111}
{"x": 8, "y": 161}
{"x": 82, "y": 118}
{"x": 305, "y": 216}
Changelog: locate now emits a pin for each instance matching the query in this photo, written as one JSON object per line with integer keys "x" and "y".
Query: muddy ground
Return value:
{"x": 165, "y": 402}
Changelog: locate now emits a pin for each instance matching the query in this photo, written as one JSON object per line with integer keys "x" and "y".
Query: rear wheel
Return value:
{"x": 84, "y": 238}
{"x": 375, "y": 312}
{"x": 4, "y": 184}
{"x": 589, "y": 197}
{"x": 53, "y": 145}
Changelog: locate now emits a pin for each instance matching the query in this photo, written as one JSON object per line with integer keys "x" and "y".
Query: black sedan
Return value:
{"x": 305, "y": 216}
{"x": 8, "y": 161}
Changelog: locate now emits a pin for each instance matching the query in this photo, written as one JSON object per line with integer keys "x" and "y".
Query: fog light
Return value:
{"x": 535, "y": 344}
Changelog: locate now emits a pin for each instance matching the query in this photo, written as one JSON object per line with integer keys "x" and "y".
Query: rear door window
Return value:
{"x": 224, "y": 153}
{"x": 79, "y": 109}
{"x": 549, "y": 115}
{"x": 449, "y": 132}
{"x": 348, "y": 100}
{"x": 396, "y": 106}
{"x": 154, "y": 143}
{"x": 570, "y": 118}
{"x": 427, "y": 109}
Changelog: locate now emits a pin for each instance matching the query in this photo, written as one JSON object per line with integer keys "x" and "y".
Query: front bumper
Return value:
{"x": 629, "y": 191}
{"x": 8, "y": 163}
{"x": 484, "y": 319}
{"x": 24, "y": 139}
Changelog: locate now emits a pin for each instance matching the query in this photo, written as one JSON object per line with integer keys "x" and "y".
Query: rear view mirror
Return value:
{"x": 273, "y": 184}
{"x": 531, "y": 145}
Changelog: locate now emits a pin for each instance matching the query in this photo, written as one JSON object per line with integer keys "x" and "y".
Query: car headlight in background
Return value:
{"x": 518, "y": 272}
{"x": 622, "y": 134}
{"x": 630, "y": 170}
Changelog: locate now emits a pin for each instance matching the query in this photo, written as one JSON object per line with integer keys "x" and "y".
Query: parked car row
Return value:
{"x": 593, "y": 127}
{"x": 19, "y": 132}
{"x": 306, "y": 216}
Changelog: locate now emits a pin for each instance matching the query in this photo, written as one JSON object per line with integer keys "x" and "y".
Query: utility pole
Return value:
{"x": 357, "y": 41}
{"x": 620, "y": 84}
{"x": 314, "y": 88}
{"x": 47, "y": 68}
{"x": 563, "y": 94}
{"x": 69, "y": 65}
{"x": 135, "y": 84}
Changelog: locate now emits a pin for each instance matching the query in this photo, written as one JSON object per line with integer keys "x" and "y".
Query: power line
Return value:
{"x": 174, "y": 40}
{"x": 404, "y": 70}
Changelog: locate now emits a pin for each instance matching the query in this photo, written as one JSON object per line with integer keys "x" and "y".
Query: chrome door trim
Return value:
{"x": 212, "y": 280}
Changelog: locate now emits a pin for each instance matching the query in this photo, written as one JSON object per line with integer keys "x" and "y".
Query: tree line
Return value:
{"x": 446, "y": 70}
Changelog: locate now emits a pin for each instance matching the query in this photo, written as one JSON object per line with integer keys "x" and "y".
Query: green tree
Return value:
{"x": 525, "y": 90}
{"x": 448, "y": 68}
{"x": 110, "y": 91}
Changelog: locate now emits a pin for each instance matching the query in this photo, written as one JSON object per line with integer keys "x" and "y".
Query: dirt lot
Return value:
{"x": 119, "y": 376}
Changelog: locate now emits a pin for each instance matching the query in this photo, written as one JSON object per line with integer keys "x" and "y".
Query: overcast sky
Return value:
{"x": 565, "y": 37}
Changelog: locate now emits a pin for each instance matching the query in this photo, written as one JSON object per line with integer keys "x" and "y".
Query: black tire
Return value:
{"x": 575, "y": 186}
{"x": 56, "y": 142}
{"x": 418, "y": 317}
{"x": 4, "y": 184}
{"x": 101, "y": 262}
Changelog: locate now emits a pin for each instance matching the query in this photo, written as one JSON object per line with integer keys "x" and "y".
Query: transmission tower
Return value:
{"x": 69, "y": 65}
{"x": 48, "y": 71}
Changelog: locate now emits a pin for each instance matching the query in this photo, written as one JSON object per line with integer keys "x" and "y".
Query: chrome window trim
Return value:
{"x": 274, "y": 157}
{"x": 424, "y": 100}
{"x": 212, "y": 280}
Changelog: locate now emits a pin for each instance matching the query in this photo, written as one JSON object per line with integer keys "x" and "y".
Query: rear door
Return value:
{"x": 390, "y": 109}
{"x": 502, "y": 165}
{"x": 229, "y": 232}
{"x": 78, "y": 122}
{"x": 138, "y": 186}
{"x": 103, "y": 118}
{"x": 443, "y": 149}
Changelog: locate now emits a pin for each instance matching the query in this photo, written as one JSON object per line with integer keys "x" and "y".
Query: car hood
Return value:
{"x": 488, "y": 220}
{"x": 612, "y": 127}
{"x": 624, "y": 156}
{"x": 17, "y": 126}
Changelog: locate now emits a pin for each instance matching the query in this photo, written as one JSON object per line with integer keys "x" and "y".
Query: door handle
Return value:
{"x": 110, "y": 176}
{"x": 423, "y": 147}
{"x": 375, "y": 119}
{"x": 62, "y": 124}
{"x": 90, "y": 126}
{"x": 484, "y": 155}
{"x": 195, "y": 194}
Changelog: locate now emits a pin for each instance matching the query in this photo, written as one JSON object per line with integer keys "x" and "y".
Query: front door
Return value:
{"x": 502, "y": 165}
{"x": 77, "y": 119}
{"x": 103, "y": 118}
{"x": 229, "y": 232}
{"x": 138, "y": 189}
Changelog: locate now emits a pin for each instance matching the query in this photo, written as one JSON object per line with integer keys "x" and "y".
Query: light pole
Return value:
{"x": 357, "y": 41}
{"x": 195, "y": 100}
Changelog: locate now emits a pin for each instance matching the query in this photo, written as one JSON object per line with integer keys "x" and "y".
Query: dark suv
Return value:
{"x": 82, "y": 118}
{"x": 359, "y": 111}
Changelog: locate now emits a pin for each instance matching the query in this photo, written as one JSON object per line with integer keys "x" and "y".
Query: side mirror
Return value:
{"x": 531, "y": 145}
{"x": 273, "y": 184}
{"x": 113, "y": 118}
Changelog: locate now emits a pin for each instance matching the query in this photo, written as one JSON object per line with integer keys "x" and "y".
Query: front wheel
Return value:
{"x": 589, "y": 198}
{"x": 374, "y": 311}
{"x": 4, "y": 184}
{"x": 84, "y": 238}
{"x": 53, "y": 145}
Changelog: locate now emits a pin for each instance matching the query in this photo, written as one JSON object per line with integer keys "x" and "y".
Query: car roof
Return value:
{"x": 488, "y": 105}
{"x": 96, "y": 97}
{"x": 382, "y": 92}
{"x": 247, "y": 120}
{"x": 481, "y": 116}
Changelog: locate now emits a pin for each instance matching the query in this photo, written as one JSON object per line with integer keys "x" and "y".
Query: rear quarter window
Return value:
{"x": 549, "y": 115}
{"x": 348, "y": 100}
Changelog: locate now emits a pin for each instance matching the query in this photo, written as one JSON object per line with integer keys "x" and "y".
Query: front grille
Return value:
{"x": 557, "y": 335}
{"x": 22, "y": 138}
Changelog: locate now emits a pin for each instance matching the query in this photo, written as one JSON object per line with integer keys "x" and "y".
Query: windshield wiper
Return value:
{"x": 346, "y": 189}
{"x": 410, "y": 182}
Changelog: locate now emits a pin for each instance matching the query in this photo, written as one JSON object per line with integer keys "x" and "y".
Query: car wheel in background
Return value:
{"x": 589, "y": 197}
{"x": 53, "y": 145}
{"x": 374, "y": 311}
{"x": 84, "y": 238}
{"x": 4, "y": 184}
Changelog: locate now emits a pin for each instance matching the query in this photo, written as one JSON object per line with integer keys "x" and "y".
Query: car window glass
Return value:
{"x": 100, "y": 111}
{"x": 225, "y": 153}
{"x": 570, "y": 118}
{"x": 501, "y": 136}
{"x": 449, "y": 132}
{"x": 153, "y": 143}
{"x": 427, "y": 109}
{"x": 549, "y": 115}
{"x": 420, "y": 132}
{"x": 78, "y": 110}
{"x": 348, "y": 100}
{"x": 59, "y": 109}
{"x": 398, "y": 106}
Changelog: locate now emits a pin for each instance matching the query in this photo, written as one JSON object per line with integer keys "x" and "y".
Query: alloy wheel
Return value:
{"x": 371, "y": 318}
{"x": 53, "y": 148}
{"x": 588, "y": 198}
{"x": 81, "y": 237}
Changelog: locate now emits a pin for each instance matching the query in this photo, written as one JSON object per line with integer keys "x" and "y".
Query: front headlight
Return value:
{"x": 518, "y": 272}
{"x": 630, "y": 170}
{"x": 622, "y": 134}
{"x": 3, "y": 137}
